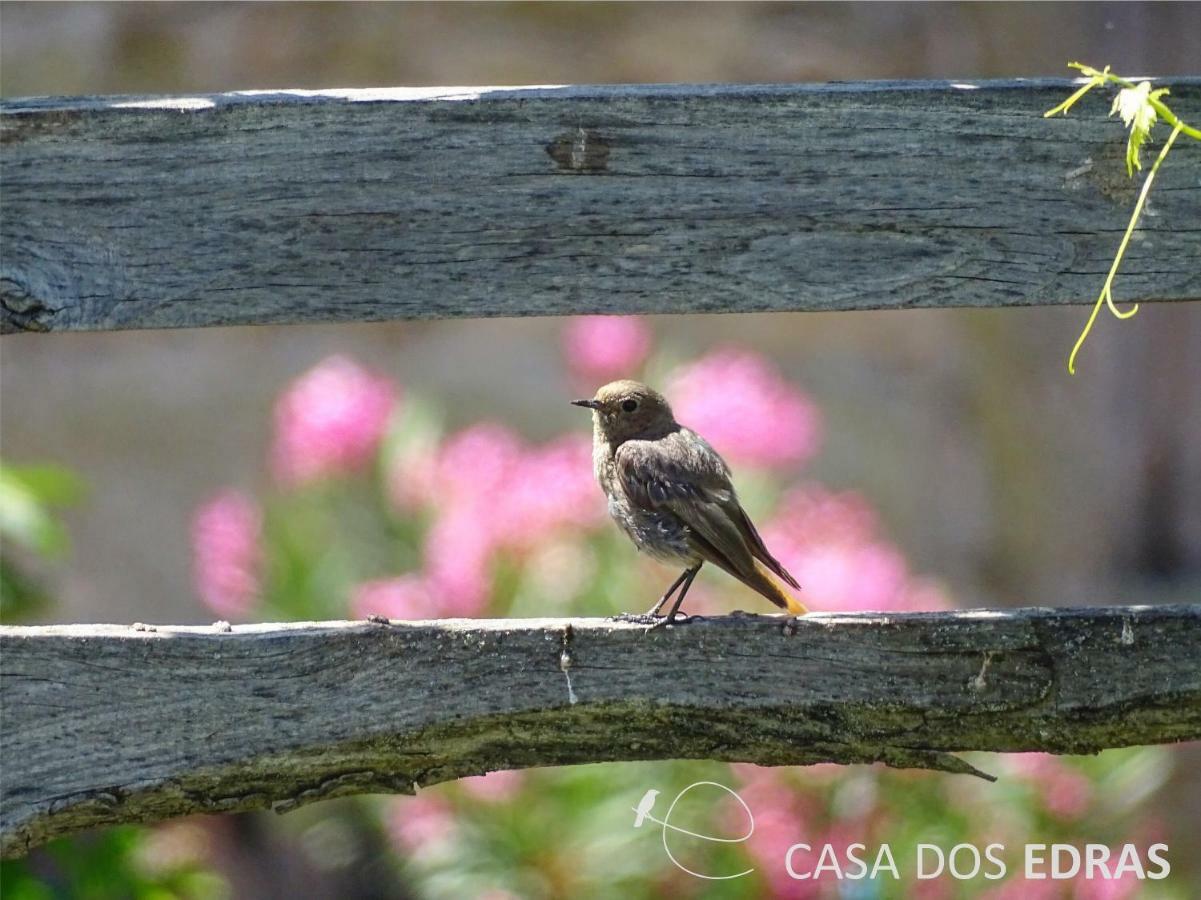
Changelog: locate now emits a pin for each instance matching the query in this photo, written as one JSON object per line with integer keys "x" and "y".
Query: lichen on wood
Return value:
{"x": 106, "y": 724}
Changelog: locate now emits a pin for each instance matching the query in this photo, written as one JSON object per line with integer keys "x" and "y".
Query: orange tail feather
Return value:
{"x": 770, "y": 587}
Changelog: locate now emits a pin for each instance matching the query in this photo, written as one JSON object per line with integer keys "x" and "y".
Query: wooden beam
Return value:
{"x": 109, "y": 724}
{"x": 323, "y": 206}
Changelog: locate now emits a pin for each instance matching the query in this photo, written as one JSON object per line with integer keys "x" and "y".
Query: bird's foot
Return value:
{"x": 636, "y": 618}
{"x": 653, "y": 621}
{"x": 790, "y": 626}
{"x": 679, "y": 618}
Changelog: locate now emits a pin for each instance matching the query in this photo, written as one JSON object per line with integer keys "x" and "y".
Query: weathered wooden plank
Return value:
{"x": 271, "y": 207}
{"x": 107, "y": 724}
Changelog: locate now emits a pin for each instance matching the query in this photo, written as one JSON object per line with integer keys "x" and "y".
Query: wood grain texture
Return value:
{"x": 303, "y": 206}
{"x": 109, "y": 724}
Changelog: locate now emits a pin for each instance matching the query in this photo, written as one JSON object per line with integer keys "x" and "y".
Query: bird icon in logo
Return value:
{"x": 643, "y": 813}
{"x": 645, "y": 805}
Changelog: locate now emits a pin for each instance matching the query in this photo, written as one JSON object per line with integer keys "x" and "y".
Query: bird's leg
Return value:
{"x": 651, "y": 616}
{"x": 686, "y": 578}
{"x": 654, "y": 610}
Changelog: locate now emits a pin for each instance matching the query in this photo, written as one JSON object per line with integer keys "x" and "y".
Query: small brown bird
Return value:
{"x": 671, "y": 494}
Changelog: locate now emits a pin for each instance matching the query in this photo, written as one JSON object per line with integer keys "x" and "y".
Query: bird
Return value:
{"x": 645, "y": 805}
{"x": 672, "y": 495}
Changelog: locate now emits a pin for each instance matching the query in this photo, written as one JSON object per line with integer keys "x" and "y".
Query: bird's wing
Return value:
{"x": 759, "y": 550}
{"x": 683, "y": 474}
{"x": 671, "y": 468}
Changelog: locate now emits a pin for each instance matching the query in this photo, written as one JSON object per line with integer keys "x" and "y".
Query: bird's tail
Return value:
{"x": 770, "y": 587}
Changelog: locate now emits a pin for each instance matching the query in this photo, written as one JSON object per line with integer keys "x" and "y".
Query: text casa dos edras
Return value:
{"x": 963, "y": 862}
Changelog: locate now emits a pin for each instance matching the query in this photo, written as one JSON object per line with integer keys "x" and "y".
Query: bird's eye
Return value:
{"x": 629, "y": 405}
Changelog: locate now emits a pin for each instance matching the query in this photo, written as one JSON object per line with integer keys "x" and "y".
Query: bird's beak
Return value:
{"x": 589, "y": 404}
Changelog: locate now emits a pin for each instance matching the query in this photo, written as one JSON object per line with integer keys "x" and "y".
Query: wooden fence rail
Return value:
{"x": 278, "y": 207}
{"x": 311, "y": 206}
{"x": 109, "y": 724}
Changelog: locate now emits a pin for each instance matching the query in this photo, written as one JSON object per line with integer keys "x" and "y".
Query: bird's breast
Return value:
{"x": 659, "y": 533}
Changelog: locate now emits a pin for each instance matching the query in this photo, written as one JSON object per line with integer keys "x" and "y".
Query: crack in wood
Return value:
{"x": 433, "y": 701}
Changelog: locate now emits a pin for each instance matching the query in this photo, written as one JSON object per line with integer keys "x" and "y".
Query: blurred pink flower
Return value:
{"x": 404, "y": 597}
{"x": 495, "y": 787}
{"x": 1065, "y": 792}
{"x": 604, "y": 348}
{"x": 741, "y": 405}
{"x": 458, "y": 559}
{"x": 814, "y": 512}
{"x": 476, "y": 463}
{"x": 416, "y": 823}
{"x": 550, "y": 488}
{"x": 330, "y": 420}
{"x": 491, "y": 493}
{"x": 226, "y": 556}
{"x": 780, "y": 822}
{"x": 469, "y": 465}
{"x": 829, "y": 542}
{"x": 1098, "y": 888}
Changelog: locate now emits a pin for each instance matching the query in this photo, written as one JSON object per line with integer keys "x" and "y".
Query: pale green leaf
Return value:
{"x": 1133, "y": 104}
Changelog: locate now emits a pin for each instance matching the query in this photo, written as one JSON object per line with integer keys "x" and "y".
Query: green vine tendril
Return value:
{"x": 1140, "y": 108}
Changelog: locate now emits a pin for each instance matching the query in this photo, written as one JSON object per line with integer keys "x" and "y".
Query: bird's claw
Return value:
{"x": 636, "y": 618}
{"x": 653, "y": 621}
{"x": 679, "y": 618}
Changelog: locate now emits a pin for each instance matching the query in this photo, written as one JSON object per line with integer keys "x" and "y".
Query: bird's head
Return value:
{"x": 625, "y": 410}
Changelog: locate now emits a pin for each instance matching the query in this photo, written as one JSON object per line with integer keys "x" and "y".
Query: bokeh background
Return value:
{"x": 997, "y": 479}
